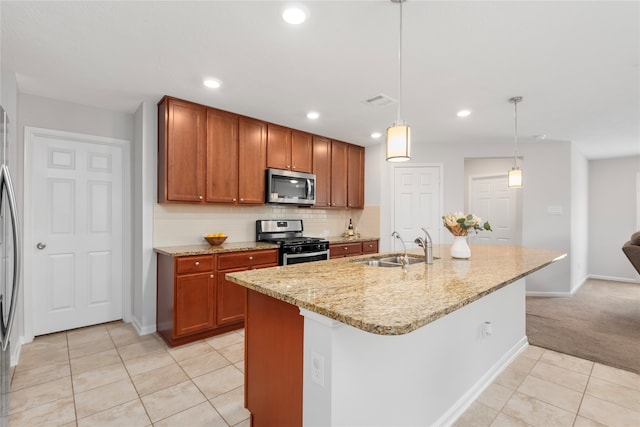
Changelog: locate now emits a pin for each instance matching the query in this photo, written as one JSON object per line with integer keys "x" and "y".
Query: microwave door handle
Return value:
{"x": 308, "y": 188}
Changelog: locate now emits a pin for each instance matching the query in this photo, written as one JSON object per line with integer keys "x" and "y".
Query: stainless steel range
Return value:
{"x": 294, "y": 247}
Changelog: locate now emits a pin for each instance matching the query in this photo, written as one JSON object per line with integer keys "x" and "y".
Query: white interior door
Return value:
{"x": 416, "y": 203}
{"x": 493, "y": 201}
{"x": 77, "y": 211}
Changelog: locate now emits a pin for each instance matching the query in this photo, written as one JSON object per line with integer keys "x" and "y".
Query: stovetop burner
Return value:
{"x": 289, "y": 241}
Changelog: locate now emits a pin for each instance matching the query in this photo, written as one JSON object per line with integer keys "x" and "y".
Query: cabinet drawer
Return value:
{"x": 194, "y": 264}
{"x": 346, "y": 249}
{"x": 370, "y": 247}
{"x": 247, "y": 259}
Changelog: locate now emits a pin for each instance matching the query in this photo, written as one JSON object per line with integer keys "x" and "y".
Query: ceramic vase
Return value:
{"x": 460, "y": 248}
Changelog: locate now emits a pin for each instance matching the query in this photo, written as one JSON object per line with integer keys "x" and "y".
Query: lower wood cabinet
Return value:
{"x": 340, "y": 250}
{"x": 195, "y": 300}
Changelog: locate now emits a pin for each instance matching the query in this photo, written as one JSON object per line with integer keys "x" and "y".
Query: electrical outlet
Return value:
{"x": 317, "y": 368}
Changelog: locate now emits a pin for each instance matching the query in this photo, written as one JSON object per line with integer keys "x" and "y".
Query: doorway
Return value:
{"x": 77, "y": 231}
{"x": 417, "y": 196}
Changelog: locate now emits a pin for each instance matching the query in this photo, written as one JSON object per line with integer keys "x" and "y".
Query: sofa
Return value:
{"x": 632, "y": 250}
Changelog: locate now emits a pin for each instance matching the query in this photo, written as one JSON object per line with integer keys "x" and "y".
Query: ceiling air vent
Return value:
{"x": 380, "y": 100}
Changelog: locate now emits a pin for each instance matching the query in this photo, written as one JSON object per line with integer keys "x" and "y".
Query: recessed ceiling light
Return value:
{"x": 376, "y": 135}
{"x": 294, "y": 15}
{"x": 313, "y": 115}
{"x": 463, "y": 113}
{"x": 211, "y": 83}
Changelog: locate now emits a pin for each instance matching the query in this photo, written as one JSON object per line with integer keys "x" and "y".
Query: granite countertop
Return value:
{"x": 207, "y": 249}
{"x": 395, "y": 301}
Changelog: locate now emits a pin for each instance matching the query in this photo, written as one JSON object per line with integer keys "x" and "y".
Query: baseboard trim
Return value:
{"x": 548, "y": 294}
{"x": 613, "y": 279}
{"x": 142, "y": 330}
{"x": 465, "y": 401}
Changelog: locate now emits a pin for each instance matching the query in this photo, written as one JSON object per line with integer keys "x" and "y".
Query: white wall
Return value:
{"x": 579, "y": 218}
{"x": 145, "y": 147}
{"x": 547, "y": 183}
{"x": 612, "y": 216}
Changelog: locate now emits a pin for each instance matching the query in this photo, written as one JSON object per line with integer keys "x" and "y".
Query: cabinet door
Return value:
{"x": 301, "y": 151}
{"x": 194, "y": 303}
{"x": 222, "y": 157}
{"x": 252, "y": 164}
{"x": 340, "y": 250}
{"x": 230, "y": 299}
{"x": 338, "y": 174}
{"x": 370, "y": 247}
{"x": 278, "y": 147}
{"x": 182, "y": 151}
{"x": 355, "y": 176}
{"x": 322, "y": 170}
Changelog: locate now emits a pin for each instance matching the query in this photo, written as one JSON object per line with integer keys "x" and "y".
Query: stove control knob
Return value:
{"x": 298, "y": 249}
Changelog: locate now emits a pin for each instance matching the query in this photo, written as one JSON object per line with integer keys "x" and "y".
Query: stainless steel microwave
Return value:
{"x": 287, "y": 187}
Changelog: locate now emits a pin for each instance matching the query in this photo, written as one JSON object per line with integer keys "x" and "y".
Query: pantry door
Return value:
{"x": 417, "y": 200}
{"x": 78, "y": 205}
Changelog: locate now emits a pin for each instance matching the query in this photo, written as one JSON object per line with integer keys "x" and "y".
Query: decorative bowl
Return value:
{"x": 215, "y": 241}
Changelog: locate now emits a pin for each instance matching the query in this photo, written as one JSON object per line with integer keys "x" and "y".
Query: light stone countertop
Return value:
{"x": 206, "y": 249}
{"x": 343, "y": 239}
{"x": 395, "y": 301}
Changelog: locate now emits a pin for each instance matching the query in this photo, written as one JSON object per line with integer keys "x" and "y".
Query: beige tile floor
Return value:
{"x": 107, "y": 375}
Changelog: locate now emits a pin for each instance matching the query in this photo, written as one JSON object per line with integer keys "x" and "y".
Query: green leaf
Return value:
{"x": 487, "y": 226}
{"x": 469, "y": 217}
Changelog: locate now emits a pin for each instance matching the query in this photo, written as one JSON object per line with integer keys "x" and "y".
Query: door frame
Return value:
{"x": 392, "y": 180}
{"x": 30, "y": 133}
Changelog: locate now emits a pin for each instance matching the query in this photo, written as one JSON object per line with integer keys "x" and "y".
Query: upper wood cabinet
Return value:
{"x": 355, "y": 176}
{"x": 289, "y": 149}
{"x": 301, "y": 151}
{"x": 181, "y": 151}
{"x": 322, "y": 170}
{"x": 206, "y": 155}
{"x": 252, "y": 151}
{"x": 222, "y": 157}
{"x": 339, "y": 164}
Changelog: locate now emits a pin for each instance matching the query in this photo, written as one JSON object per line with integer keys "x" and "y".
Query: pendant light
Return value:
{"x": 399, "y": 135}
{"x": 515, "y": 174}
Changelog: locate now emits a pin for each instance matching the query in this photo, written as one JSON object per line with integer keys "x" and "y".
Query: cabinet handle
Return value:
{"x": 211, "y": 276}
{"x": 241, "y": 199}
{"x": 250, "y": 258}
{"x": 197, "y": 263}
{"x": 200, "y": 197}
{"x": 234, "y": 199}
{"x": 345, "y": 248}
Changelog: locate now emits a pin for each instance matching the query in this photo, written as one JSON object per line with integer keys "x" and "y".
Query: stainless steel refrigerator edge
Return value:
{"x": 9, "y": 269}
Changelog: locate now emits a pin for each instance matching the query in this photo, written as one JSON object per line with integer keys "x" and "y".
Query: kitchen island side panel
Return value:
{"x": 427, "y": 377}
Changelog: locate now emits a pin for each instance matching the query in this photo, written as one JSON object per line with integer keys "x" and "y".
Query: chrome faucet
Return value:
{"x": 428, "y": 246}
{"x": 404, "y": 260}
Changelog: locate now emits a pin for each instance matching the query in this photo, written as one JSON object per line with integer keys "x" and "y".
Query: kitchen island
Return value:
{"x": 359, "y": 345}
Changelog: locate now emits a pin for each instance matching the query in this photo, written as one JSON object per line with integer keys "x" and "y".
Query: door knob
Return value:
{"x": 41, "y": 245}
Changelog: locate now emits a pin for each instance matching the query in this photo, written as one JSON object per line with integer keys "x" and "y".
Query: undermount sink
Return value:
{"x": 390, "y": 261}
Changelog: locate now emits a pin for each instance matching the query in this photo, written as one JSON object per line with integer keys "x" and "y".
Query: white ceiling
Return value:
{"x": 574, "y": 62}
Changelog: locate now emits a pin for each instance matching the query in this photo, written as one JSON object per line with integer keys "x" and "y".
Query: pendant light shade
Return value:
{"x": 515, "y": 174}
{"x": 399, "y": 135}
{"x": 398, "y": 143}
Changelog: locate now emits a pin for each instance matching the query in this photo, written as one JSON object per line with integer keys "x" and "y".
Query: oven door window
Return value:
{"x": 308, "y": 257}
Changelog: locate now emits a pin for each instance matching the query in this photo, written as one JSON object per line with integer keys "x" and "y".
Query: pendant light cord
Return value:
{"x": 515, "y": 146}
{"x": 400, "y": 67}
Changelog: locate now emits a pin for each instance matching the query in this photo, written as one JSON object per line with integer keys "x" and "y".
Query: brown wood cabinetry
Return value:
{"x": 355, "y": 176}
{"x": 322, "y": 170}
{"x": 273, "y": 324}
{"x": 222, "y": 157}
{"x": 231, "y": 297}
{"x": 207, "y": 155}
{"x": 301, "y": 151}
{"x": 341, "y": 250}
{"x": 194, "y": 300}
{"x": 181, "y": 151}
{"x": 252, "y": 149}
{"x": 339, "y": 174}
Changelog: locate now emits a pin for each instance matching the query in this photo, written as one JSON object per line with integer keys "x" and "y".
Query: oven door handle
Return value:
{"x": 306, "y": 254}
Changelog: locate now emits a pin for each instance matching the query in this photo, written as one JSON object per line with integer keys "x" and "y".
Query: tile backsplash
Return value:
{"x": 176, "y": 225}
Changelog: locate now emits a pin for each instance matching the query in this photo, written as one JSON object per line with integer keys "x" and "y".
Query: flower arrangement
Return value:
{"x": 459, "y": 223}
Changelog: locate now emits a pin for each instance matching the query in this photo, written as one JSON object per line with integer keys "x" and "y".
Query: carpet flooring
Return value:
{"x": 600, "y": 322}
